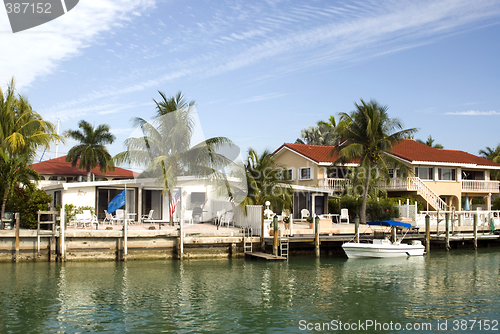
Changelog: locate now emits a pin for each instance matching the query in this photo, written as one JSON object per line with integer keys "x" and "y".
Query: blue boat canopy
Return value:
{"x": 390, "y": 223}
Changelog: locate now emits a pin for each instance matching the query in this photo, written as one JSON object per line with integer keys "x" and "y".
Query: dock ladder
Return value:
{"x": 247, "y": 240}
{"x": 284, "y": 244}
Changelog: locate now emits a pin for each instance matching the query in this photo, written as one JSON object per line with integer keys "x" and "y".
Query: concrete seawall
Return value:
{"x": 102, "y": 245}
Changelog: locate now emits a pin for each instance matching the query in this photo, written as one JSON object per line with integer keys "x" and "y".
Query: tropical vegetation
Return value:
{"x": 321, "y": 134}
{"x": 91, "y": 150}
{"x": 266, "y": 181}
{"x": 430, "y": 142}
{"x": 165, "y": 150}
{"x": 367, "y": 134}
{"x": 493, "y": 155}
{"x": 22, "y": 132}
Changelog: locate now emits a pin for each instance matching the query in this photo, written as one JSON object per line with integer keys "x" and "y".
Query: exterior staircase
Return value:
{"x": 416, "y": 184}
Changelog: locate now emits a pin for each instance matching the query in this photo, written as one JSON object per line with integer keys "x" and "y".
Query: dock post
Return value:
{"x": 275, "y": 235}
{"x": 262, "y": 243}
{"x": 447, "y": 231}
{"x": 17, "y": 236}
{"x": 427, "y": 233}
{"x": 356, "y": 228}
{"x": 316, "y": 236}
{"x": 475, "y": 231}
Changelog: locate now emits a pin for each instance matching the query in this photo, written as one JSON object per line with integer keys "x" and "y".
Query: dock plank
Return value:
{"x": 264, "y": 256}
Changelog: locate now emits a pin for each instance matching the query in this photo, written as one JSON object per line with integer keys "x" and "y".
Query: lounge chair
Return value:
{"x": 344, "y": 216}
{"x": 147, "y": 218}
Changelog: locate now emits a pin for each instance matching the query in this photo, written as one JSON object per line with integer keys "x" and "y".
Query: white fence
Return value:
{"x": 461, "y": 218}
{"x": 252, "y": 219}
{"x": 408, "y": 210}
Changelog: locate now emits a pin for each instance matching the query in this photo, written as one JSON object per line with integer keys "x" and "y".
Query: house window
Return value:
{"x": 286, "y": 174}
{"x": 305, "y": 173}
{"x": 392, "y": 174}
{"x": 424, "y": 173}
{"x": 447, "y": 174}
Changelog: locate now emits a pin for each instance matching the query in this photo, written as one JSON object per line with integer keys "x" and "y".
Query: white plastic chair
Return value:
{"x": 304, "y": 213}
{"x": 109, "y": 217}
{"x": 120, "y": 216}
{"x": 188, "y": 216}
{"x": 344, "y": 216}
{"x": 148, "y": 217}
{"x": 227, "y": 219}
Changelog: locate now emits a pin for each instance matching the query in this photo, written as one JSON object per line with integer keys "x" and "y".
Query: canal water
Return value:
{"x": 456, "y": 291}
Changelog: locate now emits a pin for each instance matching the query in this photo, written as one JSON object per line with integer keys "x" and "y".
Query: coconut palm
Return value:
{"x": 322, "y": 134}
{"x": 265, "y": 181}
{"x": 430, "y": 142}
{"x": 367, "y": 134}
{"x": 91, "y": 152}
{"x": 493, "y": 155}
{"x": 22, "y": 130}
{"x": 165, "y": 148}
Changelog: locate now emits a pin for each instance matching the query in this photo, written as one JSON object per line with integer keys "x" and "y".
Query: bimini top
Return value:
{"x": 390, "y": 223}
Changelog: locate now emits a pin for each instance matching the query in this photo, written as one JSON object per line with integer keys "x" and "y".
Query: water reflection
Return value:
{"x": 234, "y": 295}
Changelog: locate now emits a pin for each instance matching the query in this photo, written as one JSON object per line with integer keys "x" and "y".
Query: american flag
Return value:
{"x": 173, "y": 203}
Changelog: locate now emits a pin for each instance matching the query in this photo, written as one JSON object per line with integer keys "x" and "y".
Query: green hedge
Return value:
{"x": 27, "y": 202}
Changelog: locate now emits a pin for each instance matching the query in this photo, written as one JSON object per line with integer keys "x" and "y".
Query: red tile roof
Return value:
{"x": 406, "y": 149}
{"x": 59, "y": 166}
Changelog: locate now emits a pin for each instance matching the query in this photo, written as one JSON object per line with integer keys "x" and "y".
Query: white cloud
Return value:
{"x": 474, "y": 113}
{"x": 39, "y": 51}
{"x": 259, "y": 98}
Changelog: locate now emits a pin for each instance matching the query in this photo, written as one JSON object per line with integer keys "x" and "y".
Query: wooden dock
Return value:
{"x": 264, "y": 256}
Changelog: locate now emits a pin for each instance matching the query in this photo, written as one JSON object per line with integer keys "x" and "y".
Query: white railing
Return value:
{"x": 336, "y": 184}
{"x": 480, "y": 186}
{"x": 251, "y": 219}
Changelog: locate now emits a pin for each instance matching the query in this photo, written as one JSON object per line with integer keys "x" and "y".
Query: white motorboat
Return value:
{"x": 385, "y": 247}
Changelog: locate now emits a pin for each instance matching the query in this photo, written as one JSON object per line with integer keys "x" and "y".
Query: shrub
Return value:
{"x": 27, "y": 202}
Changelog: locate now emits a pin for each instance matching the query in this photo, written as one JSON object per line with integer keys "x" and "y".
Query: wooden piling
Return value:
{"x": 275, "y": 235}
{"x": 316, "y": 236}
{"x": 17, "y": 236}
{"x": 427, "y": 233}
{"x": 475, "y": 230}
{"x": 447, "y": 231}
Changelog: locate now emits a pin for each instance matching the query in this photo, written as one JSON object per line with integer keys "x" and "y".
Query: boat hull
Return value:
{"x": 362, "y": 250}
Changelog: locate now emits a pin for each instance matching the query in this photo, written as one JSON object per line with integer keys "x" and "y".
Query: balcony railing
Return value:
{"x": 336, "y": 184}
{"x": 480, "y": 186}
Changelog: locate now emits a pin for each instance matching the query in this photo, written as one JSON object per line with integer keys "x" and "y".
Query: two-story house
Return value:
{"x": 441, "y": 177}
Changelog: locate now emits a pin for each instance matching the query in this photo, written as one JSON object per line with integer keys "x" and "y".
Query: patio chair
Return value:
{"x": 109, "y": 217}
{"x": 120, "y": 216}
{"x": 147, "y": 218}
{"x": 304, "y": 213}
{"x": 197, "y": 215}
{"x": 344, "y": 216}
{"x": 188, "y": 216}
{"x": 228, "y": 219}
{"x": 220, "y": 214}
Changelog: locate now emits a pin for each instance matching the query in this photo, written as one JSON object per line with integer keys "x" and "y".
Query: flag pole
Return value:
{"x": 125, "y": 227}
{"x": 181, "y": 229}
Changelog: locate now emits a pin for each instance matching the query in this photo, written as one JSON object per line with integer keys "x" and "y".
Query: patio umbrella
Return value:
{"x": 466, "y": 207}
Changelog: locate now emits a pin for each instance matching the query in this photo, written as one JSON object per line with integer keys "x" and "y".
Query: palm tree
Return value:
{"x": 430, "y": 142}
{"x": 492, "y": 155}
{"x": 322, "y": 134}
{"x": 22, "y": 130}
{"x": 165, "y": 148}
{"x": 13, "y": 171}
{"x": 91, "y": 152}
{"x": 367, "y": 134}
{"x": 265, "y": 181}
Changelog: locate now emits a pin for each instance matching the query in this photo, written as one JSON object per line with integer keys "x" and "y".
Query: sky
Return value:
{"x": 261, "y": 71}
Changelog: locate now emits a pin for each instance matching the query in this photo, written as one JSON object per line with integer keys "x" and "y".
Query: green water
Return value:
{"x": 252, "y": 297}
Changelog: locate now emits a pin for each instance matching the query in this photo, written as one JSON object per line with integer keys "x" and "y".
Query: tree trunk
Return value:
{"x": 365, "y": 198}
{"x": 88, "y": 175}
{"x": 169, "y": 193}
{"x": 4, "y": 201}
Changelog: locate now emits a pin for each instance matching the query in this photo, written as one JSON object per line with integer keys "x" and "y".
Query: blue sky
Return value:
{"x": 260, "y": 71}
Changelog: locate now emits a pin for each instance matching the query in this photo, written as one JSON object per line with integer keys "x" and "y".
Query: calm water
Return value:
{"x": 250, "y": 297}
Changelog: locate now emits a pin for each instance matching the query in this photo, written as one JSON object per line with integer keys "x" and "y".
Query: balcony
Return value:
{"x": 475, "y": 186}
{"x": 336, "y": 184}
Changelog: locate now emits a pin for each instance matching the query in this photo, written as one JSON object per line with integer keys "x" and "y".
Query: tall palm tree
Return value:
{"x": 265, "y": 181}
{"x": 367, "y": 134}
{"x": 165, "y": 148}
{"x": 322, "y": 134}
{"x": 22, "y": 130}
{"x": 13, "y": 171}
{"x": 91, "y": 152}
{"x": 430, "y": 142}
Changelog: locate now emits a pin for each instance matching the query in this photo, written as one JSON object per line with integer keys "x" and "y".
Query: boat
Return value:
{"x": 380, "y": 248}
